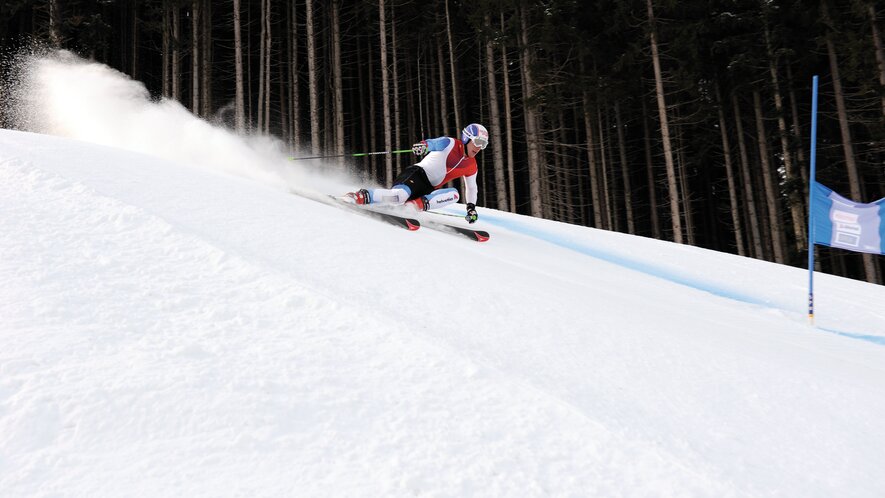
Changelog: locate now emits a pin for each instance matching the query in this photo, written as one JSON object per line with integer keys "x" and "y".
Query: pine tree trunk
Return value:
{"x": 591, "y": 161}
{"x": 611, "y": 176}
{"x": 682, "y": 174}
{"x": 250, "y": 102}
{"x": 206, "y": 60}
{"x": 797, "y": 133}
{"x": 556, "y": 192}
{"x": 420, "y": 126}
{"x": 427, "y": 105}
{"x": 480, "y": 103}
{"x": 455, "y": 101}
{"x": 729, "y": 174}
{"x": 54, "y": 24}
{"x": 495, "y": 120}
{"x": 548, "y": 173}
{"x": 364, "y": 96}
{"x": 295, "y": 85}
{"x": 176, "y": 52}
{"x": 443, "y": 104}
{"x": 134, "y": 45}
{"x": 397, "y": 116}
{"x": 764, "y": 220}
{"x": 434, "y": 121}
{"x": 268, "y": 47}
{"x": 880, "y": 52}
{"x": 797, "y": 207}
{"x": 238, "y": 63}
{"x": 580, "y": 191}
{"x": 568, "y": 178}
{"x": 328, "y": 135}
{"x": 675, "y": 214}
{"x": 262, "y": 75}
{"x": 167, "y": 48}
{"x": 749, "y": 196}
{"x": 123, "y": 38}
{"x": 508, "y": 119}
{"x": 771, "y": 191}
{"x": 652, "y": 181}
{"x": 385, "y": 93}
{"x": 847, "y": 147}
{"x": 373, "y": 131}
{"x": 625, "y": 170}
{"x": 313, "y": 80}
{"x": 604, "y": 162}
{"x": 283, "y": 96}
{"x": 337, "y": 84}
{"x": 412, "y": 112}
{"x": 288, "y": 77}
{"x": 195, "y": 56}
{"x": 536, "y": 207}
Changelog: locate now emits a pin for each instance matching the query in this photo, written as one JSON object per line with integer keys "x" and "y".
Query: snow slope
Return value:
{"x": 175, "y": 322}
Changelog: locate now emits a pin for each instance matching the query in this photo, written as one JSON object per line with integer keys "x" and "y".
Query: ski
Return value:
{"x": 410, "y": 224}
{"x": 390, "y": 215}
{"x": 470, "y": 233}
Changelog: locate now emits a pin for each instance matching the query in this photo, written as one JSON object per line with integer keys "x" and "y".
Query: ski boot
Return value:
{"x": 418, "y": 204}
{"x": 360, "y": 197}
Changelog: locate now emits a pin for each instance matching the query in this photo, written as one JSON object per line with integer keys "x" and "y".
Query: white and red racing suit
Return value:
{"x": 445, "y": 161}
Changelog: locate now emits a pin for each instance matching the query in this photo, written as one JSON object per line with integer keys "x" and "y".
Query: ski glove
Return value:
{"x": 471, "y": 213}
{"x": 420, "y": 148}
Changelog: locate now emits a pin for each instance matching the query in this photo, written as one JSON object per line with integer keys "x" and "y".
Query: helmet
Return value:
{"x": 477, "y": 133}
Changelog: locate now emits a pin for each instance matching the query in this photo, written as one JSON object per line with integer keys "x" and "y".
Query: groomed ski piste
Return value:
{"x": 175, "y": 322}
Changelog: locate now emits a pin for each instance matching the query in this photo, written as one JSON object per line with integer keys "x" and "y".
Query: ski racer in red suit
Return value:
{"x": 446, "y": 159}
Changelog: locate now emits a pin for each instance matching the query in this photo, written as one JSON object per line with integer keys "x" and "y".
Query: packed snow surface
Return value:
{"x": 182, "y": 315}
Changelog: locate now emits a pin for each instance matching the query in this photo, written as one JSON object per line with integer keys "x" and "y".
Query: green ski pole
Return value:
{"x": 359, "y": 154}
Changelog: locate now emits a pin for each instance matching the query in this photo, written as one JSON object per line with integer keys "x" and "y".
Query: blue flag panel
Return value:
{"x": 840, "y": 222}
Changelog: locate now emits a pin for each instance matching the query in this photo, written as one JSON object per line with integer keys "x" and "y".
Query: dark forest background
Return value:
{"x": 681, "y": 120}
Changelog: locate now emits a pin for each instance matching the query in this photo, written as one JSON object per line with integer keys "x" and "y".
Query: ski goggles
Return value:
{"x": 481, "y": 142}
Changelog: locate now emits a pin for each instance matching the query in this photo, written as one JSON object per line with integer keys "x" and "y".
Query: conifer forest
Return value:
{"x": 686, "y": 121}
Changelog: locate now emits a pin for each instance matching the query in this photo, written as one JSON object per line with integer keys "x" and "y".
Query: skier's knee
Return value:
{"x": 441, "y": 198}
{"x": 396, "y": 195}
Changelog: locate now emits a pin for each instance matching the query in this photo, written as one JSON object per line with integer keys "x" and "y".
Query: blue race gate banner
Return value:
{"x": 843, "y": 223}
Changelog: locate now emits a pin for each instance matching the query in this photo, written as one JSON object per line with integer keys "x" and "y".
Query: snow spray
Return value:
{"x": 56, "y": 92}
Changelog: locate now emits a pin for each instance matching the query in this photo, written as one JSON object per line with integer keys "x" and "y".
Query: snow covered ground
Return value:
{"x": 175, "y": 322}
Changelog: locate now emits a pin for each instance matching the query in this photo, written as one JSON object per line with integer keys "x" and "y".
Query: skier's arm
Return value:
{"x": 470, "y": 189}
{"x": 437, "y": 144}
{"x": 430, "y": 145}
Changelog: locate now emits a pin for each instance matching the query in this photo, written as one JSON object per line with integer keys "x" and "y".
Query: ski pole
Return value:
{"x": 443, "y": 213}
{"x": 360, "y": 154}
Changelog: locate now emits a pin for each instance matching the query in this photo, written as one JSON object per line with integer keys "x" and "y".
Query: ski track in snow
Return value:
{"x": 173, "y": 331}
{"x": 667, "y": 272}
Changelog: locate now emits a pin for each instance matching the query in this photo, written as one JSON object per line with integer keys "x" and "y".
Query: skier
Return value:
{"x": 446, "y": 159}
